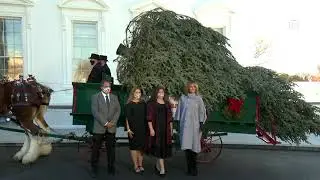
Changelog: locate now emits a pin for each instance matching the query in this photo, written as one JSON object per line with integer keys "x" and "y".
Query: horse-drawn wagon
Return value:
{"x": 217, "y": 124}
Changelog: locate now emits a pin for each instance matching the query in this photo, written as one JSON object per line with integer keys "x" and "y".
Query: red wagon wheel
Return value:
{"x": 211, "y": 147}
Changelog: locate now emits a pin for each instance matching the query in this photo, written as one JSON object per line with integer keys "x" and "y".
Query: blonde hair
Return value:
{"x": 186, "y": 88}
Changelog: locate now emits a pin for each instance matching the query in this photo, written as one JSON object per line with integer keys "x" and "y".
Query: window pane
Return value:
{"x": 91, "y": 42}
{"x": 17, "y": 26}
{"x": 8, "y": 25}
{"x": 17, "y": 38}
{"x": 79, "y": 42}
{"x": 77, "y": 52}
{"x": 9, "y": 51}
{"x": 18, "y": 50}
{"x": 9, "y": 38}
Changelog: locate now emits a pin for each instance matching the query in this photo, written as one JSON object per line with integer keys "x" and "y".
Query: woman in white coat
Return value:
{"x": 191, "y": 113}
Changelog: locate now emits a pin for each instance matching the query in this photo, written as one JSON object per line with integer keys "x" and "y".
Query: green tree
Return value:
{"x": 165, "y": 48}
{"x": 294, "y": 78}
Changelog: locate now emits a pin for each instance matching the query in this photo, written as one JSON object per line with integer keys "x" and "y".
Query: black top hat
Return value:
{"x": 103, "y": 58}
{"x": 94, "y": 56}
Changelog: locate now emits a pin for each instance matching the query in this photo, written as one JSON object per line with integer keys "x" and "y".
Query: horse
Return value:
{"x": 26, "y": 101}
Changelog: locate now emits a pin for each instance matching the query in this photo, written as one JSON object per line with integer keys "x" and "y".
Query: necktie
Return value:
{"x": 107, "y": 99}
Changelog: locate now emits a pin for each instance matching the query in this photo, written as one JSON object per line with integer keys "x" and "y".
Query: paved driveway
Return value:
{"x": 66, "y": 163}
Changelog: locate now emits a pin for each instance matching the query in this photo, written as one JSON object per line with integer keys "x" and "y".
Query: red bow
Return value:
{"x": 235, "y": 105}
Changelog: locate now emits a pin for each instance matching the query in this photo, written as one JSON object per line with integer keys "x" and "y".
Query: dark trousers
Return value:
{"x": 97, "y": 140}
{"x": 191, "y": 158}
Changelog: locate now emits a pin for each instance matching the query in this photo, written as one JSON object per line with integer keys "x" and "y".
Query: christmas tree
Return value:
{"x": 165, "y": 48}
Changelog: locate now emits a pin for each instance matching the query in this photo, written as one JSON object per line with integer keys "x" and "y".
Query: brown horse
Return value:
{"x": 28, "y": 101}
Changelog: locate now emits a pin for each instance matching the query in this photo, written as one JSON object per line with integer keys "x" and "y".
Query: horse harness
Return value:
{"x": 26, "y": 93}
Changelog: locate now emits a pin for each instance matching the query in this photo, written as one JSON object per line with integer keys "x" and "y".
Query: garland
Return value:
{"x": 234, "y": 108}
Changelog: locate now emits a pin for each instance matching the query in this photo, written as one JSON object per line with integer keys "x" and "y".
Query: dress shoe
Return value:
{"x": 93, "y": 172}
{"x": 194, "y": 172}
{"x": 111, "y": 171}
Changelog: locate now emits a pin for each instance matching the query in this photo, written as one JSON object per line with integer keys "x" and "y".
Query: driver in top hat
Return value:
{"x": 100, "y": 68}
{"x": 95, "y": 74}
{"x": 105, "y": 68}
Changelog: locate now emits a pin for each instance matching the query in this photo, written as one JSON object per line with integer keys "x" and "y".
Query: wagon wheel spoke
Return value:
{"x": 211, "y": 147}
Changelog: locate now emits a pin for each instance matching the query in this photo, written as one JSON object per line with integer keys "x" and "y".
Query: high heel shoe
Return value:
{"x": 162, "y": 173}
{"x": 141, "y": 169}
{"x": 137, "y": 170}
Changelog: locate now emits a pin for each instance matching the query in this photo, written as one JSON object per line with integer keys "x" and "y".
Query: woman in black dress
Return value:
{"x": 136, "y": 124}
{"x": 159, "y": 118}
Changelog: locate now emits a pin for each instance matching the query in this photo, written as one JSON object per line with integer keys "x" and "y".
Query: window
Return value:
{"x": 220, "y": 30}
{"x": 85, "y": 42}
{"x": 11, "y": 52}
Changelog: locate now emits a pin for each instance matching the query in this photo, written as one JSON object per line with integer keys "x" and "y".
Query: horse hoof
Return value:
{"x": 45, "y": 149}
{"x": 17, "y": 157}
{"x": 28, "y": 158}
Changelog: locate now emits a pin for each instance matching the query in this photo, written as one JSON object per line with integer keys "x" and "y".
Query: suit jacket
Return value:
{"x": 104, "y": 112}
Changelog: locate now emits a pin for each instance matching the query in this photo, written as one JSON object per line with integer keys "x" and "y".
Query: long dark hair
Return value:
{"x": 155, "y": 95}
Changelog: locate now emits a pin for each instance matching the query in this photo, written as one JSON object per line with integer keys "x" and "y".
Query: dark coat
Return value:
{"x": 98, "y": 73}
{"x": 106, "y": 70}
{"x": 95, "y": 75}
{"x": 152, "y": 117}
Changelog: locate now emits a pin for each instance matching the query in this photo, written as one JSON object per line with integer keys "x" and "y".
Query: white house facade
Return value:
{"x": 53, "y": 39}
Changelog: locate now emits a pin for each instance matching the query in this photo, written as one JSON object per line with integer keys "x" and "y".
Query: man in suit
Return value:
{"x": 105, "y": 109}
